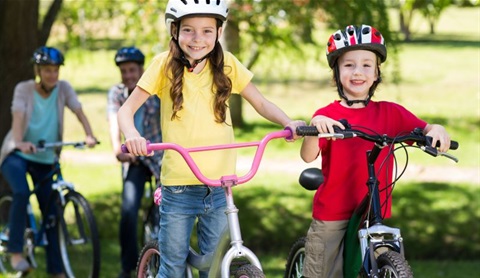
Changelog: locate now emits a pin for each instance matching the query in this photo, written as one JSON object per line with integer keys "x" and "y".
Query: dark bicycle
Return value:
{"x": 74, "y": 219}
{"x": 371, "y": 249}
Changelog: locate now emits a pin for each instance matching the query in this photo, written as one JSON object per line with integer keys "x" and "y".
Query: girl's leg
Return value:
{"x": 14, "y": 170}
{"x": 212, "y": 222}
{"x": 179, "y": 209}
{"x": 133, "y": 188}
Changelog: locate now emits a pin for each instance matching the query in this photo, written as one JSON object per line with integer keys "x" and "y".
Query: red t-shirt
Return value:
{"x": 344, "y": 163}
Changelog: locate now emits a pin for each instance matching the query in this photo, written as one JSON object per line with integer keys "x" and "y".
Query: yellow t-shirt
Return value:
{"x": 196, "y": 125}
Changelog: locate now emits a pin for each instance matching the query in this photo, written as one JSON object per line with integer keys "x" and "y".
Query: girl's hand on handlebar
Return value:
{"x": 438, "y": 134}
{"x": 137, "y": 146}
{"x": 293, "y": 126}
{"x": 325, "y": 124}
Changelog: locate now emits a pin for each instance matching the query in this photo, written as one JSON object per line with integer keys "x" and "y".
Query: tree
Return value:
{"x": 20, "y": 34}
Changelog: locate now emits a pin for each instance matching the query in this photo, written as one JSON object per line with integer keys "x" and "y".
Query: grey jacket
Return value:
{"x": 23, "y": 102}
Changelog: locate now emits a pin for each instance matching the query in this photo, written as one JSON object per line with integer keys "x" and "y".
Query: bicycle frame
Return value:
{"x": 219, "y": 262}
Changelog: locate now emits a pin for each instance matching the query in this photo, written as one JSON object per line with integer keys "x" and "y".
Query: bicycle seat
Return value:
{"x": 311, "y": 178}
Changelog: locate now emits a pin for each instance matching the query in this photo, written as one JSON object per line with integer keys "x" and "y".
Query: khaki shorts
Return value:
{"x": 324, "y": 249}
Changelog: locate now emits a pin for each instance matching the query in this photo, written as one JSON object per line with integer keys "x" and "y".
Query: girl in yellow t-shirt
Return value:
{"x": 194, "y": 81}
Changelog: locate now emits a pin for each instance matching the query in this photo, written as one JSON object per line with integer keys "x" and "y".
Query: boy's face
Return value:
{"x": 131, "y": 73}
{"x": 197, "y": 36}
{"x": 358, "y": 71}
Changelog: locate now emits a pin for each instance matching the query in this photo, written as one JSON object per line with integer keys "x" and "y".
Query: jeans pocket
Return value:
{"x": 175, "y": 189}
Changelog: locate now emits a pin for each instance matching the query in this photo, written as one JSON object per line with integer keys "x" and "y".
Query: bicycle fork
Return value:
{"x": 375, "y": 238}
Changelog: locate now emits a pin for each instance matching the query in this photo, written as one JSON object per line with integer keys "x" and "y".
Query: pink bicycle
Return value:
{"x": 231, "y": 257}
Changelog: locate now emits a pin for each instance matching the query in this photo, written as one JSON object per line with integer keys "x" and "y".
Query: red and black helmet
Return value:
{"x": 363, "y": 37}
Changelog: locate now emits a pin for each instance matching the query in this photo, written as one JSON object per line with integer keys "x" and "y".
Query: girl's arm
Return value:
{"x": 135, "y": 143}
{"x": 267, "y": 109}
{"x": 90, "y": 139}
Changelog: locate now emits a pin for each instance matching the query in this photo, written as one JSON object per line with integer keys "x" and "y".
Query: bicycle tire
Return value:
{"x": 78, "y": 238}
{"x": 5, "y": 203}
{"x": 249, "y": 271}
{"x": 295, "y": 259}
{"x": 150, "y": 224}
{"x": 393, "y": 264}
{"x": 149, "y": 260}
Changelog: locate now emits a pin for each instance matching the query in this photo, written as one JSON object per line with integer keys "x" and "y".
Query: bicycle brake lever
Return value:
{"x": 447, "y": 155}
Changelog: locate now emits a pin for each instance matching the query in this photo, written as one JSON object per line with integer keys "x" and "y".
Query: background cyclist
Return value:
{"x": 37, "y": 114}
{"x": 135, "y": 170}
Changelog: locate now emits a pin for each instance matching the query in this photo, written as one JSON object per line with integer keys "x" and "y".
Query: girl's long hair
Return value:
{"x": 221, "y": 87}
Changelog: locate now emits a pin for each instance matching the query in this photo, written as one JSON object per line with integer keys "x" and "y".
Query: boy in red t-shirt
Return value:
{"x": 355, "y": 56}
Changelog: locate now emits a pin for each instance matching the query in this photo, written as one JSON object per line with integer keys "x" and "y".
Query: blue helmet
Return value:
{"x": 45, "y": 55}
{"x": 129, "y": 54}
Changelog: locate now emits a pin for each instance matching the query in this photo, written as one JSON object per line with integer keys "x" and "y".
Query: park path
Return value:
{"x": 449, "y": 173}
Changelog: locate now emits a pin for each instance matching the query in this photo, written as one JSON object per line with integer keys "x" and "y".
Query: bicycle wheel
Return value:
{"x": 149, "y": 260}
{"x": 151, "y": 224}
{"x": 393, "y": 264}
{"x": 296, "y": 257}
{"x": 5, "y": 203}
{"x": 78, "y": 238}
{"x": 249, "y": 271}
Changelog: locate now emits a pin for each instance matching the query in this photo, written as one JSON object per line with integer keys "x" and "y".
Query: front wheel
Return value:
{"x": 78, "y": 238}
{"x": 149, "y": 260}
{"x": 249, "y": 271}
{"x": 393, "y": 264}
{"x": 295, "y": 259}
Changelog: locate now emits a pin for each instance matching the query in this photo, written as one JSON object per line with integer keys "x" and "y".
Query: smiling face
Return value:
{"x": 131, "y": 73}
{"x": 197, "y": 37}
{"x": 358, "y": 71}
{"x": 48, "y": 75}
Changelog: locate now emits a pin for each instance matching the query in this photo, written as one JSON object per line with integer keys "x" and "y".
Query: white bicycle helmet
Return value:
{"x": 353, "y": 38}
{"x": 178, "y": 9}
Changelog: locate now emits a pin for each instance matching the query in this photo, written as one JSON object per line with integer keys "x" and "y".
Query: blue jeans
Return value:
{"x": 133, "y": 188}
{"x": 181, "y": 206}
{"x": 14, "y": 169}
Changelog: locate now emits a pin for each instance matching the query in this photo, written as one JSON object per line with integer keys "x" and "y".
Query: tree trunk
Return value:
{"x": 18, "y": 40}
{"x": 231, "y": 41}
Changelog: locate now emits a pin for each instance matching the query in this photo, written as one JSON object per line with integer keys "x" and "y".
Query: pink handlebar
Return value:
{"x": 233, "y": 179}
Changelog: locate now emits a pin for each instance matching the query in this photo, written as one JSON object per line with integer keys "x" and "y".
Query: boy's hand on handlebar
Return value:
{"x": 438, "y": 134}
{"x": 293, "y": 126}
{"x": 325, "y": 124}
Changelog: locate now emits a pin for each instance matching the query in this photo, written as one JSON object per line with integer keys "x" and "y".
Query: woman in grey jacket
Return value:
{"x": 37, "y": 114}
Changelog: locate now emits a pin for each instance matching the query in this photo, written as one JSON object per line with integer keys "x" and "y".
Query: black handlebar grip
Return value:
{"x": 453, "y": 145}
{"x": 307, "y": 131}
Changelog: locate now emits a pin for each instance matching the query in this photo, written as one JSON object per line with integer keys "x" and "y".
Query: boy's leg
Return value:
{"x": 324, "y": 249}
